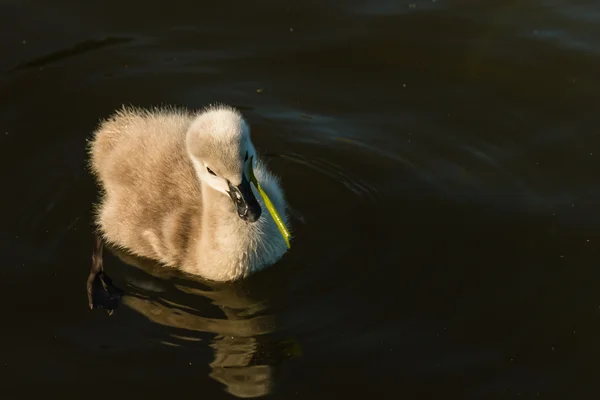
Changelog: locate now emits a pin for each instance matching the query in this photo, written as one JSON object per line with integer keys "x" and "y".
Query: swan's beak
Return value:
{"x": 247, "y": 206}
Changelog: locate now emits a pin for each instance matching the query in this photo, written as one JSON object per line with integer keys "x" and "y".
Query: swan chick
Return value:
{"x": 176, "y": 189}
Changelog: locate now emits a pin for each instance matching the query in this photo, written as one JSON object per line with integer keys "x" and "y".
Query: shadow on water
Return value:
{"x": 233, "y": 318}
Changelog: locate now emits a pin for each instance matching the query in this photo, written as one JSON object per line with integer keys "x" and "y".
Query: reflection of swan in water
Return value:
{"x": 240, "y": 336}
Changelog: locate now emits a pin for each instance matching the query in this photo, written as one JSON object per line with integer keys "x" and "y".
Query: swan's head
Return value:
{"x": 218, "y": 142}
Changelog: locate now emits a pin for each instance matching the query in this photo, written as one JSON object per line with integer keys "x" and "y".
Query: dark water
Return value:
{"x": 442, "y": 159}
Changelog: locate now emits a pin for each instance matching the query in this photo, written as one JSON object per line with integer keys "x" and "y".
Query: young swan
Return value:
{"x": 176, "y": 189}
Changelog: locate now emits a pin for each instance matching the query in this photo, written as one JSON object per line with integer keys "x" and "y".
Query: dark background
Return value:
{"x": 441, "y": 159}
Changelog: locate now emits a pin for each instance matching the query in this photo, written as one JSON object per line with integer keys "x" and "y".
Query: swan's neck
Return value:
{"x": 222, "y": 251}
{"x": 231, "y": 248}
{"x": 213, "y": 199}
{"x": 218, "y": 214}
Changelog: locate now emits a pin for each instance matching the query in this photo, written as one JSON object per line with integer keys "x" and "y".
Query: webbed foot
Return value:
{"x": 100, "y": 289}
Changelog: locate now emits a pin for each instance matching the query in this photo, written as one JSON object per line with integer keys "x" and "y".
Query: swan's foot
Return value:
{"x": 100, "y": 290}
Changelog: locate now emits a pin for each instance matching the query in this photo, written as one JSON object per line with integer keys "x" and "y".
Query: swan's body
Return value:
{"x": 161, "y": 199}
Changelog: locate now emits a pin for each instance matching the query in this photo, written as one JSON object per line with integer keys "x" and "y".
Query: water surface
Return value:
{"x": 441, "y": 159}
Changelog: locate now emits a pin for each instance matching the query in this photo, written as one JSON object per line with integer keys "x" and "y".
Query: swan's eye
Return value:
{"x": 246, "y": 157}
{"x": 210, "y": 171}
